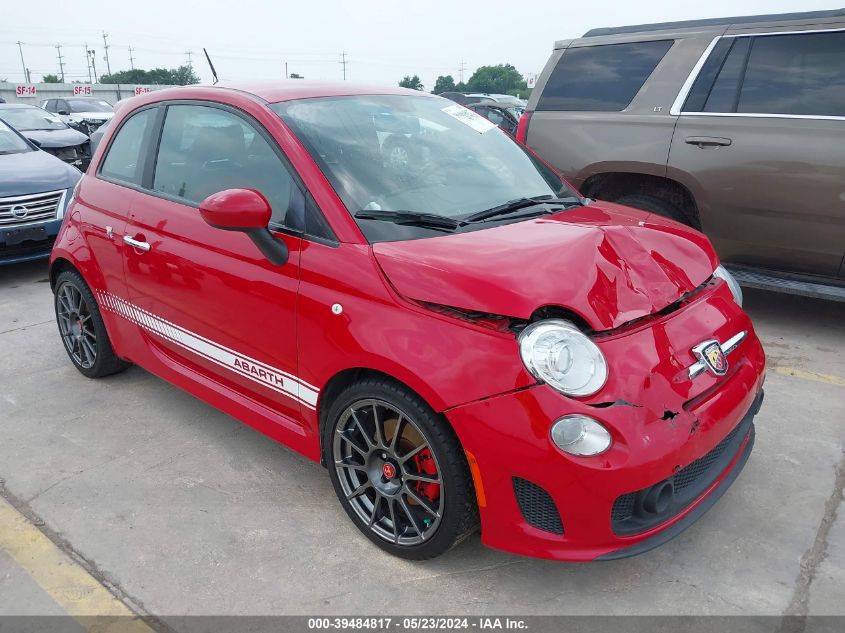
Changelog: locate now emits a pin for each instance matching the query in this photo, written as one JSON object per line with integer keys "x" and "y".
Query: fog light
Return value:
{"x": 580, "y": 435}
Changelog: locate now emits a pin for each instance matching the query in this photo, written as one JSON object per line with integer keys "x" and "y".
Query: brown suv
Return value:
{"x": 735, "y": 126}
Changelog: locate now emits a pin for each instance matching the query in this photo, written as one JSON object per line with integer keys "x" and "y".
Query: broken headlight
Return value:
{"x": 722, "y": 273}
{"x": 558, "y": 353}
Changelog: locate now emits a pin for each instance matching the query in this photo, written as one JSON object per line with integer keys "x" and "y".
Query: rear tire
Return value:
{"x": 412, "y": 493}
{"x": 82, "y": 329}
{"x": 655, "y": 205}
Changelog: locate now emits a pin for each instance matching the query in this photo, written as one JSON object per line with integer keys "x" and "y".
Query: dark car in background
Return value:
{"x": 85, "y": 114}
{"x": 734, "y": 126}
{"x": 502, "y": 114}
{"x": 35, "y": 188}
{"x": 48, "y": 132}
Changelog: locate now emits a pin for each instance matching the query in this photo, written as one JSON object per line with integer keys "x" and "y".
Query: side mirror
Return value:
{"x": 63, "y": 112}
{"x": 245, "y": 211}
{"x": 35, "y": 142}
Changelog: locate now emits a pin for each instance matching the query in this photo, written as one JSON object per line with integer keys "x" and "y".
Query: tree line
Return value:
{"x": 181, "y": 76}
{"x": 499, "y": 79}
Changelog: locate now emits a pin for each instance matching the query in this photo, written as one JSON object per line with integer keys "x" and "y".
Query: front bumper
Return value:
{"x": 16, "y": 248}
{"x": 538, "y": 501}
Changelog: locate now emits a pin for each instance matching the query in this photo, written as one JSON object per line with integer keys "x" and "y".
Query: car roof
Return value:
{"x": 716, "y": 22}
{"x": 287, "y": 90}
{"x": 15, "y": 106}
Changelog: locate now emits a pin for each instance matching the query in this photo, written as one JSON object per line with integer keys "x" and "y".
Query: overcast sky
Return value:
{"x": 383, "y": 40}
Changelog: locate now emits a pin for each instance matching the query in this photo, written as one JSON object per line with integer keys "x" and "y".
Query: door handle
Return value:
{"x": 141, "y": 246}
{"x": 707, "y": 141}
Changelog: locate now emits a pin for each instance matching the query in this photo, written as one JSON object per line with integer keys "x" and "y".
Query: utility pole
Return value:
{"x": 131, "y": 59}
{"x": 343, "y": 63}
{"x": 106, "y": 47}
{"x": 190, "y": 63}
{"x": 88, "y": 62}
{"x": 463, "y": 65}
{"x": 25, "y": 71}
{"x": 61, "y": 64}
{"x": 287, "y": 76}
{"x": 94, "y": 64}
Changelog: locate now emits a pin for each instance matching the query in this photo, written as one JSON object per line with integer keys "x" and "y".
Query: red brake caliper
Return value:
{"x": 424, "y": 463}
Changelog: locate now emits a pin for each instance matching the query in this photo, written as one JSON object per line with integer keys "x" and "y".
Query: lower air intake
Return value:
{"x": 537, "y": 506}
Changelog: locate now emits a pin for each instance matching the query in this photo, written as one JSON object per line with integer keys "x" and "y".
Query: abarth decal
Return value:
{"x": 275, "y": 379}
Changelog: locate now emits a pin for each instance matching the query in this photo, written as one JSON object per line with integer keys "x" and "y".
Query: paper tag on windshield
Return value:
{"x": 470, "y": 118}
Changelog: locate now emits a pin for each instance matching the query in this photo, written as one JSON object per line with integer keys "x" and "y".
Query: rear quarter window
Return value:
{"x": 602, "y": 78}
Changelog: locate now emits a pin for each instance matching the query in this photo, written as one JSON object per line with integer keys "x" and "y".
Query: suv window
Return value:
{"x": 601, "y": 78}
{"x": 204, "y": 150}
{"x": 800, "y": 73}
{"x": 124, "y": 161}
{"x": 795, "y": 74}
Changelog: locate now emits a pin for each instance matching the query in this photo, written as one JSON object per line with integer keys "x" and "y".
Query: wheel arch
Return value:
{"x": 346, "y": 377}
{"x": 612, "y": 185}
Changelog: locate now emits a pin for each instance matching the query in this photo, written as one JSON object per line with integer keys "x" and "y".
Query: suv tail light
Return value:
{"x": 522, "y": 128}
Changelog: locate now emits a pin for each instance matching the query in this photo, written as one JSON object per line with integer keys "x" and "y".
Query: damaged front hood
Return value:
{"x": 608, "y": 263}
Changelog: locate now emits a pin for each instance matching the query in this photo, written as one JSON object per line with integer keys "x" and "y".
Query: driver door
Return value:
{"x": 208, "y": 304}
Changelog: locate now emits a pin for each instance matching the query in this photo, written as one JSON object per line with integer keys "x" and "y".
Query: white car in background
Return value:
{"x": 85, "y": 114}
{"x": 506, "y": 100}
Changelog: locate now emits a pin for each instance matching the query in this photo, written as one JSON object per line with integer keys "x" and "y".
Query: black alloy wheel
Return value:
{"x": 82, "y": 329}
{"x": 398, "y": 470}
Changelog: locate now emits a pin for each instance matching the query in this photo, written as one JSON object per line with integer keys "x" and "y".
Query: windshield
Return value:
{"x": 23, "y": 119}
{"x": 10, "y": 142}
{"x": 85, "y": 105}
{"x": 418, "y": 154}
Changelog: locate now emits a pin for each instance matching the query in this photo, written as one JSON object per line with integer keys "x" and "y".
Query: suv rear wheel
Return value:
{"x": 655, "y": 205}
{"x": 398, "y": 470}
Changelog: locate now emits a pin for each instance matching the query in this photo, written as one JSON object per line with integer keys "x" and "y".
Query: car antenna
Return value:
{"x": 210, "y": 65}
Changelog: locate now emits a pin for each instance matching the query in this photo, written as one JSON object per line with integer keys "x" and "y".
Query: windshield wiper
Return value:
{"x": 517, "y": 204}
{"x": 409, "y": 218}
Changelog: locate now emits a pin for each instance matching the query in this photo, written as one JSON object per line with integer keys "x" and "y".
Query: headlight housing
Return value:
{"x": 580, "y": 435}
{"x": 558, "y": 353}
{"x": 722, "y": 273}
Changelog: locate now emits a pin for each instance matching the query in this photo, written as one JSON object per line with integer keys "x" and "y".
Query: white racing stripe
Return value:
{"x": 270, "y": 377}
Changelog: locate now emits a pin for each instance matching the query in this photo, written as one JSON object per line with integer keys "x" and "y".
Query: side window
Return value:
{"x": 723, "y": 95}
{"x": 62, "y": 106}
{"x": 204, "y": 150}
{"x": 50, "y": 105}
{"x": 795, "y": 74}
{"x": 601, "y": 78}
{"x": 494, "y": 116}
{"x": 124, "y": 160}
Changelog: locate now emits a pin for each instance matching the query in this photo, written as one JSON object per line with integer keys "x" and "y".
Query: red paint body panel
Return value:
{"x": 204, "y": 310}
{"x": 607, "y": 263}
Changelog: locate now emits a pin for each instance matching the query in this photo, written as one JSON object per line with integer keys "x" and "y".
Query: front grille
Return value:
{"x": 635, "y": 512}
{"x": 537, "y": 506}
{"x": 38, "y": 207}
{"x": 689, "y": 475}
{"x": 28, "y": 248}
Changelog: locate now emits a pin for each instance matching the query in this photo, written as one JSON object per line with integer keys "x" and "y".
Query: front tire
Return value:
{"x": 398, "y": 470}
{"x": 82, "y": 329}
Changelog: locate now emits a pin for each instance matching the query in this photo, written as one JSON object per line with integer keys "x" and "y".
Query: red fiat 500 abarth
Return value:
{"x": 386, "y": 282}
